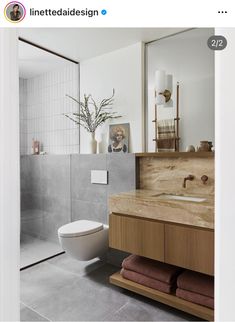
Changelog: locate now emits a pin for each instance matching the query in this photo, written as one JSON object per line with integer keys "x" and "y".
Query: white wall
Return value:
{"x": 225, "y": 178}
{"x": 187, "y": 57}
{"x": 121, "y": 70}
{"x": 43, "y": 102}
{"x": 9, "y": 177}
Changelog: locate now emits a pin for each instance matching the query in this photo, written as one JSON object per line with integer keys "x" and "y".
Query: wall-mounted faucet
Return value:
{"x": 190, "y": 177}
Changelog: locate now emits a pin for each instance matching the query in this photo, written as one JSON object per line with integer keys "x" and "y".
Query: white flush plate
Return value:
{"x": 99, "y": 176}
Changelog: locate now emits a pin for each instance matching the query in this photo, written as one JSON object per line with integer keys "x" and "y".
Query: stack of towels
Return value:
{"x": 197, "y": 288}
{"x": 150, "y": 273}
{"x": 188, "y": 285}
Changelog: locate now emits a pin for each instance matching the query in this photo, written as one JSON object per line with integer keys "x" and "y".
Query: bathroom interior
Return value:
{"x": 117, "y": 234}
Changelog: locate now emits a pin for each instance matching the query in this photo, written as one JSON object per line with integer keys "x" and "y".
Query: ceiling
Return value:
{"x": 83, "y": 43}
{"x": 34, "y": 61}
{"x": 78, "y": 44}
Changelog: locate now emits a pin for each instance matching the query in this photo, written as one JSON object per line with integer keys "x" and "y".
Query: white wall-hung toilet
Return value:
{"x": 84, "y": 239}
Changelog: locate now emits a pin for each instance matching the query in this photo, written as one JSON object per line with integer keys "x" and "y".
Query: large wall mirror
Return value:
{"x": 185, "y": 59}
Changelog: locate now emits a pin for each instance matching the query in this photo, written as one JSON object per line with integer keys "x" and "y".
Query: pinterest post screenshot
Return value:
{"x": 117, "y": 160}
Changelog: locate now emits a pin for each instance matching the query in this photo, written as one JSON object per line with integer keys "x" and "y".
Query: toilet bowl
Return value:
{"x": 84, "y": 239}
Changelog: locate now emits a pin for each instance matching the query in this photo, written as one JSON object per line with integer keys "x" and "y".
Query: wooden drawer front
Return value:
{"x": 137, "y": 236}
{"x": 190, "y": 248}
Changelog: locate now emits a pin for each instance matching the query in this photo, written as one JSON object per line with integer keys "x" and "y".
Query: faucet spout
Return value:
{"x": 190, "y": 177}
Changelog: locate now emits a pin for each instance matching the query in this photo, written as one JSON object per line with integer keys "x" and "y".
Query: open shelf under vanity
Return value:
{"x": 169, "y": 299}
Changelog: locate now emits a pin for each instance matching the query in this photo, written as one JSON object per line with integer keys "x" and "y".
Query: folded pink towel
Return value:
{"x": 160, "y": 271}
{"x": 195, "y": 298}
{"x": 196, "y": 282}
{"x": 147, "y": 281}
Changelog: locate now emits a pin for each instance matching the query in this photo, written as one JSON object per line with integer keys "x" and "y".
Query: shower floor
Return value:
{"x": 33, "y": 250}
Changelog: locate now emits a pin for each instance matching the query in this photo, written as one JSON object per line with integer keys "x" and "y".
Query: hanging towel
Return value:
{"x": 147, "y": 281}
{"x": 151, "y": 268}
{"x": 166, "y": 129}
{"x": 166, "y": 135}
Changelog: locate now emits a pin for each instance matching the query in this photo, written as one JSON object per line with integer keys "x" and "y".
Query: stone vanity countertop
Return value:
{"x": 148, "y": 204}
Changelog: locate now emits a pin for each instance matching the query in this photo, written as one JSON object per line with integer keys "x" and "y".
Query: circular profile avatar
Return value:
{"x": 14, "y": 11}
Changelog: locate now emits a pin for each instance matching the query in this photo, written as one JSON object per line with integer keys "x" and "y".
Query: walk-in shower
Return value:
{"x": 44, "y": 80}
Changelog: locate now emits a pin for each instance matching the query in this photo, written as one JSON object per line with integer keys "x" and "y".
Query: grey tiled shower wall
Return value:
{"x": 57, "y": 189}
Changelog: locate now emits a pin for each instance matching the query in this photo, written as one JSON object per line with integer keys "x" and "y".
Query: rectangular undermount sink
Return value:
{"x": 180, "y": 198}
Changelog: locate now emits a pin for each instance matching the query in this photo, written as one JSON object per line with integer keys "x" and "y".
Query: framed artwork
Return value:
{"x": 119, "y": 138}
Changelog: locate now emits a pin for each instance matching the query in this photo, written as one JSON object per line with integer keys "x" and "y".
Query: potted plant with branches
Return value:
{"x": 91, "y": 115}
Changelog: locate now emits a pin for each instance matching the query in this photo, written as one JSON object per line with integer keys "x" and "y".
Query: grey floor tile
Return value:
{"x": 73, "y": 266}
{"x": 102, "y": 274}
{"x": 142, "y": 309}
{"x": 33, "y": 250}
{"x": 63, "y": 289}
{"x": 84, "y": 299}
{"x": 60, "y": 295}
{"x": 26, "y": 314}
{"x": 42, "y": 282}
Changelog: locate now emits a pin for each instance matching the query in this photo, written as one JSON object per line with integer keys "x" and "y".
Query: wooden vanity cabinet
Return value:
{"x": 180, "y": 245}
{"x": 138, "y": 236}
{"x": 191, "y": 248}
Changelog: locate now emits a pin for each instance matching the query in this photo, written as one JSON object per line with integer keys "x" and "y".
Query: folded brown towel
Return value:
{"x": 196, "y": 282}
{"x": 195, "y": 298}
{"x": 160, "y": 271}
{"x": 147, "y": 281}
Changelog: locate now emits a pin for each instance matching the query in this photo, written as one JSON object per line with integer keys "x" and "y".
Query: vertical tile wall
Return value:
{"x": 43, "y": 102}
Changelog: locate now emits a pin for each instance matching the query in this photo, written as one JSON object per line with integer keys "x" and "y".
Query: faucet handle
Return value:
{"x": 204, "y": 179}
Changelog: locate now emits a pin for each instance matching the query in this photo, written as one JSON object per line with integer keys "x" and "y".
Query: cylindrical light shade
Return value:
{"x": 160, "y": 81}
{"x": 160, "y": 100}
{"x": 169, "y": 82}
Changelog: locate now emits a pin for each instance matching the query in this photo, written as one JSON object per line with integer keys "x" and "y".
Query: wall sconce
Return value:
{"x": 163, "y": 92}
{"x": 163, "y": 88}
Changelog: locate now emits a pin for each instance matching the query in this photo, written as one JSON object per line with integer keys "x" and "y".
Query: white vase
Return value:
{"x": 93, "y": 143}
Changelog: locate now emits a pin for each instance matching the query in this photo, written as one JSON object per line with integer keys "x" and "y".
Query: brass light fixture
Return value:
{"x": 166, "y": 94}
{"x": 163, "y": 88}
